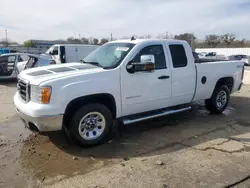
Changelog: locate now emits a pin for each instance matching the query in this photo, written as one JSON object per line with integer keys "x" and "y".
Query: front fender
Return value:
{"x": 91, "y": 85}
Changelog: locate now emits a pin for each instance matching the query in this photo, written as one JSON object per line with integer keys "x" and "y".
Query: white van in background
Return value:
{"x": 65, "y": 53}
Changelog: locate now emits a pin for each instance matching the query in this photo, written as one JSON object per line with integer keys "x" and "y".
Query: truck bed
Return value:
{"x": 210, "y": 72}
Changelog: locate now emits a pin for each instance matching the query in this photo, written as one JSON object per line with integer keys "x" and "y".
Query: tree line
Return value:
{"x": 227, "y": 40}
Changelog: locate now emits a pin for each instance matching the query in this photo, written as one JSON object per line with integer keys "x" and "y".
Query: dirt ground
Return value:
{"x": 190, "y": 149}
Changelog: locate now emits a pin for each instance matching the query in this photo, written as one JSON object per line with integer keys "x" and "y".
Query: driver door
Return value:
{"x": 146, "y": 91}
{"x": 56, "y": 55}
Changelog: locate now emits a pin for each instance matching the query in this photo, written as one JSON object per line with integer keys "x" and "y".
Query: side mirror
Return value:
{"x": 146, "y": 64}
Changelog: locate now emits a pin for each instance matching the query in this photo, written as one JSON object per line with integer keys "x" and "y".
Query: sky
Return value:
{"x": 60, "y": 19}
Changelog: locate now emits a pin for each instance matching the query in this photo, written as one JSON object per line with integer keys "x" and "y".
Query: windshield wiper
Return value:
{"x": 92, "y": 63}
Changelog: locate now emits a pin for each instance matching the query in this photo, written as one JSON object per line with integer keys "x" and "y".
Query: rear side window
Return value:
{"x": 178, "y": 55}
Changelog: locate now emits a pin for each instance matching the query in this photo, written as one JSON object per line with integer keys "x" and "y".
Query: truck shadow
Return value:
{"x": 166, "y": 134}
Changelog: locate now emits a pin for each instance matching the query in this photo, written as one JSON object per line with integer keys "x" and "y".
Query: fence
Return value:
{"x": 225, "y": 51}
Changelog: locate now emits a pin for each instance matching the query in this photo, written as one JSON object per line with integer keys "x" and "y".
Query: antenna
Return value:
{"x": 132, "y": 38}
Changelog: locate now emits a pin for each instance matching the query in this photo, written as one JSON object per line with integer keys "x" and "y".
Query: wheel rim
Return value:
{"x": 92, "y": 126}
{"x": 221, "y": 99}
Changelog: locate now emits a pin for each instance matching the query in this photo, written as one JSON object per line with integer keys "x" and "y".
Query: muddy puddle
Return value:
{"x": 12, "y": 135}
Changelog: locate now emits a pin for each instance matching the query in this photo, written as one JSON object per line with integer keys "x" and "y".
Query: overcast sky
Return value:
{"x": 60, "y": 19}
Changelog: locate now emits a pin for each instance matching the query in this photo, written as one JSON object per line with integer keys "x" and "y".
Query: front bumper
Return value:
{"x": 38, "y": 117}
{"x": 43, "y": 123}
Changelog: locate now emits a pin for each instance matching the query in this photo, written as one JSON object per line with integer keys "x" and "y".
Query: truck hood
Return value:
{"x": 36, "y": 76}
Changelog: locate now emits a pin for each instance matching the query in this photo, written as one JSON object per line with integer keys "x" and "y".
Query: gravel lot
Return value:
{"x": 191, "y": 149}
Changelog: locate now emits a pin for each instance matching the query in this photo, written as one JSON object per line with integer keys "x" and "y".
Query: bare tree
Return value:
{"x": 103, "y": 41}
{"x": 95, "y": 41}
{"x": 239, "y": 43}
{"x": 84, "y": 40}
{"x": 228, "y": 38}
{"x": 5, "y": 43}
{"x": 212, "y": 40}
{"x": 73, "y": 40}
{"x": 189, "y": 37}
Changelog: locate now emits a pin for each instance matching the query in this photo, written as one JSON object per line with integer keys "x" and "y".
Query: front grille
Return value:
{"x": 23, "y": 89}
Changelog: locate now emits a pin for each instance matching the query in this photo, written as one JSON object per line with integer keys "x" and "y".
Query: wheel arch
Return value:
{"x": 227, "y": 81}
{"x": 103, "y": 98}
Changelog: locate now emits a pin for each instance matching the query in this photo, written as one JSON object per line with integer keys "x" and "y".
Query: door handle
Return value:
{"x": 164, "y": 77}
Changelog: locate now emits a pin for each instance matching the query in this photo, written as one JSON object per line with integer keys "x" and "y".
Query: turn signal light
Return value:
{"x": 45, "y": 92}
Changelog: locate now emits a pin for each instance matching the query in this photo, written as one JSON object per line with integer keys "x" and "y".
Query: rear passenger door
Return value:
{"x": 183, "y": 74}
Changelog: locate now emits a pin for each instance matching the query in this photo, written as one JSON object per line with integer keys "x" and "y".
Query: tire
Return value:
{"x": 98, "y": 123}
{"x": 213, "y": 105}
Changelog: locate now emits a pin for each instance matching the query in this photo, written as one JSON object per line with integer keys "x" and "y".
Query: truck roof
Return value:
{"x": 137, "y": 41}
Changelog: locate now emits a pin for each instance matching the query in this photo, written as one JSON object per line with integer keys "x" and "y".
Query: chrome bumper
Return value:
{"x": 43, "y": 123}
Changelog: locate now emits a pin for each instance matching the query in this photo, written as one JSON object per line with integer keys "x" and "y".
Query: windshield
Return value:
{"x": 50, "y": 49}
{"x": 109, "y": 55}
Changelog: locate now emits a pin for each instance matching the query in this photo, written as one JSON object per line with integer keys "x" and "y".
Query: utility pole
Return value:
{"x": 6, "y": 38}
{"x": 111, "y": 37}
{"x": 167, "y": 35}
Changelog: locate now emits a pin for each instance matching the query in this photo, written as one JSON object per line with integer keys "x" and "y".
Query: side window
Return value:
{"x": 11, "y": 59}
{"x": 157, "y": 51}
{"x": 31, "y": 62}
{"x": 178, "y": 54}
{"x": 55, "y": 50}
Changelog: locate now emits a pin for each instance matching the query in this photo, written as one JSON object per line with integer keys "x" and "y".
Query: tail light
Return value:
{"x": 52, "y": 63}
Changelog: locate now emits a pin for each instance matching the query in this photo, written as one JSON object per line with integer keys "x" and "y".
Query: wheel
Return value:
{"x": 91, "y": 125}
{"x": 219, "y": 100}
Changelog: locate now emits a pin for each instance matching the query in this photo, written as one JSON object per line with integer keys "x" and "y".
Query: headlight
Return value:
{"x": 40, "y": 94}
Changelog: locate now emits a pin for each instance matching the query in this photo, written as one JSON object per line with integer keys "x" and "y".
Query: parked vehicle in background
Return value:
{"x": 214, "y": 55}
{"x": 8, "y": 64}
{"x": 202, "y": 54}
{"x": 125, "y": 81}
{"x": 203, "y": 59}
{"x": 4, "y": 51}
{"x": 66, "y": 53}
{"x": 11, "y": 64}
{"x": 34, "y": 61}
{"x": 244, "y": 58}
{"x": 237, "y": 57}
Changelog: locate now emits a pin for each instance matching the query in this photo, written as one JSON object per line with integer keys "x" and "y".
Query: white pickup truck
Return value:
{"x": 127, "y": 81}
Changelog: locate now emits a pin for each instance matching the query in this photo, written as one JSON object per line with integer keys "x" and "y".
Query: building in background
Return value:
{"x": 38, "y": 46}
{"x": 45, "y": 44}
